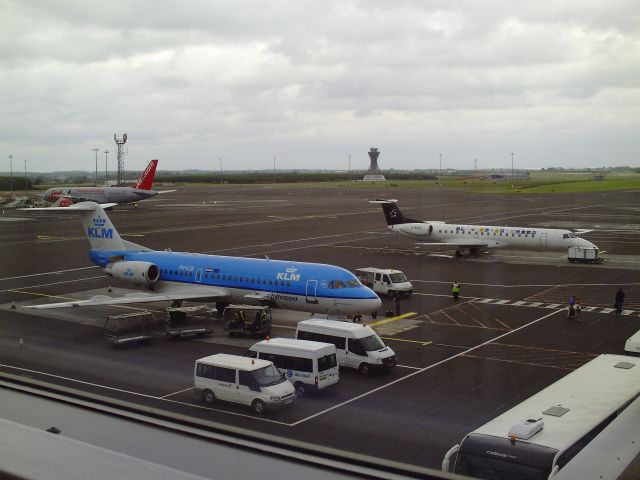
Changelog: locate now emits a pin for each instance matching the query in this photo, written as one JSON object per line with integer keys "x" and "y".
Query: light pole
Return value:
{"x": 440, "y": 171}
{"x": 220, "y": 159}
{"x": 11, "y": 174}
{"x": 96, "y": 152}
{"x": 25, "y": 178}
{"x": 274, "y": 169}
{"x": 511, "y": 170}
{"x": 106, "y": 153}
{"x": 349, "y": 167}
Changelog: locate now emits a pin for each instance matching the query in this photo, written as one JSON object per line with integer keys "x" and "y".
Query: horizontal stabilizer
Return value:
{"x": 76, "y": 207}
{"x": 378, "y": 201}
{"x": 165, "y": 191}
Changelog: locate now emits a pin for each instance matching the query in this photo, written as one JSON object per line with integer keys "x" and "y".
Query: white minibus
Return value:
{"x": 238, "y": 379}
{"x": 357, "y": 346}
{"x": 308, "y": 365}
{"x": 538, "y": 437}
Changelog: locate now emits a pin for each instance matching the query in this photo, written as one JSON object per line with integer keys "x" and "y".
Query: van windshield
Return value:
{"x": 370, "y": 343}
{"x": 398, "y": 277}
{"x": 267, "y": 376}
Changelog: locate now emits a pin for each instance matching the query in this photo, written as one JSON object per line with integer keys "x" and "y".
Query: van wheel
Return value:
{"x": 365, "y": 369}
{"x": 258, "y": 406}
{"x": 208, "y": 396}
{"x": 300, "y": 389}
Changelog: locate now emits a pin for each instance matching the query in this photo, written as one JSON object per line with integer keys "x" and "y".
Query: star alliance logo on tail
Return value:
{"x": 98, "y": 230}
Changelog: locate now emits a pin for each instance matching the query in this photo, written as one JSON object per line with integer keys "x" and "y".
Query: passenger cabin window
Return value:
{"x": 339, "y": 342}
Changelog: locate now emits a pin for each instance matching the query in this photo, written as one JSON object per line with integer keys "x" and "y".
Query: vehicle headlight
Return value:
{"x": 378, "y": 360}
{"x": 275, "y": 399}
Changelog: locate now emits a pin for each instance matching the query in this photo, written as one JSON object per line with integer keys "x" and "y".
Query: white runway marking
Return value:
{"x": 55, "y": 272}
{"x": 142, "y": 394}
{"x": 327, "y": 410}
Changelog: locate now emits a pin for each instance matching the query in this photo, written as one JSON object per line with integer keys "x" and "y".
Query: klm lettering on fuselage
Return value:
{"x": 292, "y": 277}
{"x": 99, "y": 232}
{"x": 289, "y": 275}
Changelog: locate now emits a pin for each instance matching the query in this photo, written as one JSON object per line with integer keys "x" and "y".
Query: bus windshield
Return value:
{"x": 267, "y": 376}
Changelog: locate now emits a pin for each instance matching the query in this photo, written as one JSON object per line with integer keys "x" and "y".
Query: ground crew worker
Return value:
{"x": 396, "y": 303}
{"x": 619, "y": 301}
{"x": 455, "y": 291}
{"x": 241, "y": 319}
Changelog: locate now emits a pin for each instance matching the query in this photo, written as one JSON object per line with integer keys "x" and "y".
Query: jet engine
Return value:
{"x": 138, "y": 273}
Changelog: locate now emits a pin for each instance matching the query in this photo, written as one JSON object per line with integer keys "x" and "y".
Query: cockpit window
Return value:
{"x": 565, "y": 235}
{"x": 344, "y": 283}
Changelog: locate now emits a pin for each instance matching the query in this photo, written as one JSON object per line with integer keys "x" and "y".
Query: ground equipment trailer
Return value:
{"x": 247, "y": 320}
{"x": 129, "y": 328}
{"x": 584, "y": 255}
{"x": 187, "y": 321}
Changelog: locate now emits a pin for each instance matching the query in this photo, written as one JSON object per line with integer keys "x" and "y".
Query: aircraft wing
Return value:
{"x": 200, "y": 292}
{"x": 467, "y": 243}
{"x": 71, "y": 208}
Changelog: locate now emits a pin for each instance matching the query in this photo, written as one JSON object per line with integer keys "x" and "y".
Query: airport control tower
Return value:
{"x": 374, "y": 174}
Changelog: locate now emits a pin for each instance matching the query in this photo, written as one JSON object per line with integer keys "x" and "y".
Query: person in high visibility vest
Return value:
{"x": 455, "y": 291}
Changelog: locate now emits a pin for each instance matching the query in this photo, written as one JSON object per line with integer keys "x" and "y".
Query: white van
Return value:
{"x": 357, "y": 346}
{"x": 385, "y": 281}
{"x": 249, "y": 381}
{"x": 308, "y": 365}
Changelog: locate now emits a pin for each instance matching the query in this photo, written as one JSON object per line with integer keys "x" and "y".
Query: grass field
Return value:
{"x": 539, "y": 182}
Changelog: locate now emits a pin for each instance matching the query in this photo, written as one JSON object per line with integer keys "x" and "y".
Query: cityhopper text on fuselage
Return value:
{"x": 140, "y": 190}
{"x": 176, "y": 276}
{"x": 472, "y": 238}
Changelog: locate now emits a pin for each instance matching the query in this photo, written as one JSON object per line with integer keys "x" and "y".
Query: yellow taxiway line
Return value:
{"x": 392, "y": 319}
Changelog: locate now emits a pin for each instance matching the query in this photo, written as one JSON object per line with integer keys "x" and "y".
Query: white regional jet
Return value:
{"x": 469, "y": 239}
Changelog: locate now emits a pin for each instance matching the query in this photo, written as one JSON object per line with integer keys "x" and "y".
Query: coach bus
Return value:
{"x": 537, "y": 438}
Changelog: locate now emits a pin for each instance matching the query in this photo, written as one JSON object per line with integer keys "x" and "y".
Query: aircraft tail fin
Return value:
{"x": 145, "y": 182}
{"x": 392, "y": 213}
{"x": 100, "y": 232}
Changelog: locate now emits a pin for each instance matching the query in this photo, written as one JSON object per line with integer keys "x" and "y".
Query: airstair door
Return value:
{"x": 544, "y": 239}
{"x": 312, "y": 287}
{"x": 199, "y": 275}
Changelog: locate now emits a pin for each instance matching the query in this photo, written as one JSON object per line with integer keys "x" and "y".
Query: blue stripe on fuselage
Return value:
{"x": 239, "y": 272}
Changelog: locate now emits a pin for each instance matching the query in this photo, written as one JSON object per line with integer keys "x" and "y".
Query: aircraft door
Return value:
{"x": 312, "y": 287}
{"x": 544, "y": 239}
{"x": 199, "y": 275}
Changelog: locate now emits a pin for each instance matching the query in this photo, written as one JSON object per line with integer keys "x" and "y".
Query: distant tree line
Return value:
{"x": 18, "y": 183}
{"x": 283, "y": 177}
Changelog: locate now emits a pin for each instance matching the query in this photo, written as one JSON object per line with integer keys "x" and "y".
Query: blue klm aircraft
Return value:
{"x": 173, "y": 276}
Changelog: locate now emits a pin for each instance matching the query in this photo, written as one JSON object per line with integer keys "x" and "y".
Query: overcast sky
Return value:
{"x": 312, "y": 82}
